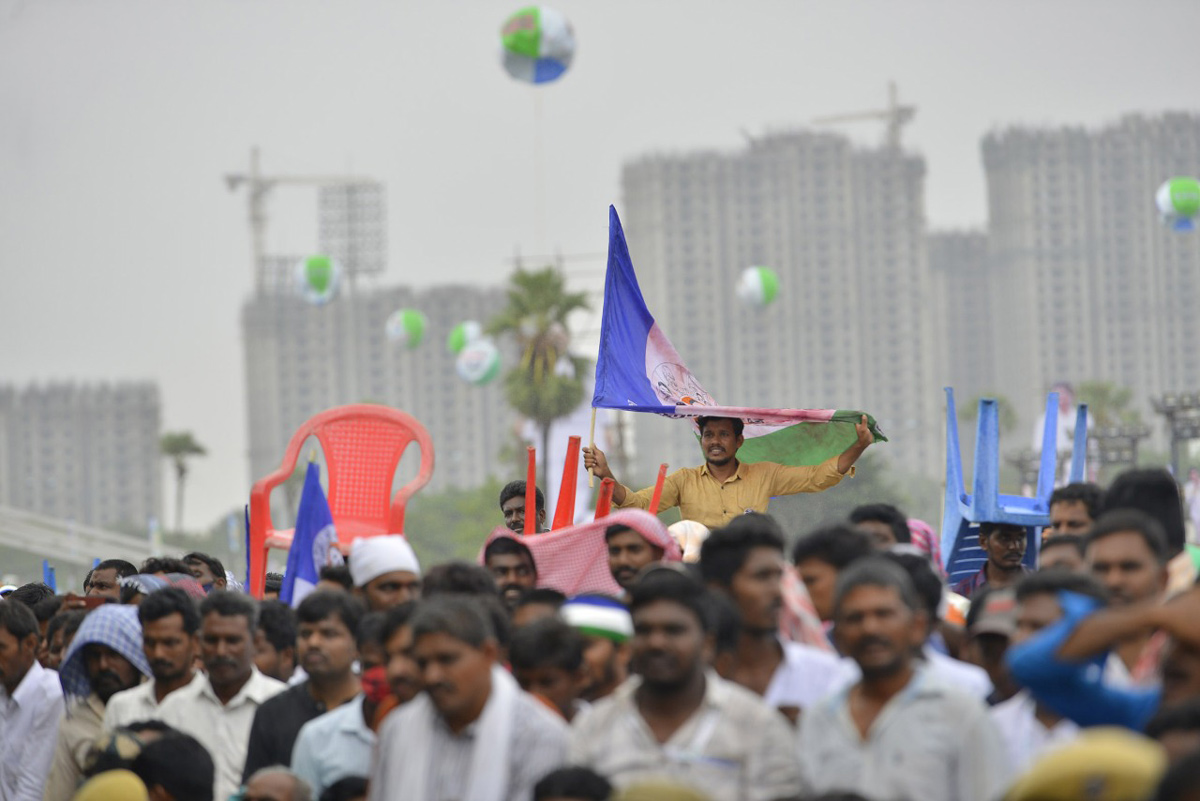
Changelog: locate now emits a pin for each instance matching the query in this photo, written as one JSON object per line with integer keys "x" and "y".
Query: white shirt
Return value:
{"x": 931, "y": 742}
{"x": 222, "y": 729}
{"x": 28, "y": 733}
{"x": 137, "y": 703}
{"x": 1027, "y": 737}
{"x": 333, "y": 746}
{"x": 805, "y": 676}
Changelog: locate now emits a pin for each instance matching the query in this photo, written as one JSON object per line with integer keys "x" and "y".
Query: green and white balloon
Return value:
{"x": 1178, "y": 201}
{"x": 406, "y": 326}
{"x": 317, "y": 279}
{"x": 463, "y": 334}
{"x": 479, "y": 362}
{"x": 758, "y": 286}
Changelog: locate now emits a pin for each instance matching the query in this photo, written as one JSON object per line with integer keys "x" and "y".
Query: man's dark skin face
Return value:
{"x": 1127, "y": 568}
{"x": 628, "y": 553}
{"x": 1069, "y": 517}
{"x": 1061, "y": 557}
{"x": 456, "y": 675}
{"x": 278, "y": 664}
{"x": 513, "y": 573}
{"x": 878, "y": 630}
{"x": 719, "y": 443}
{"x": 204, "y": 576}
{"x": 1005, "y": 548}
{"x": 227, "y": 648}
{"x": 104, "y": 583}
{"x": 170, "y": 650}
{"x": 391, "y": 589}
{"x": 404, "y": 677}
{"x": 327, "y": 648}
{"x": 108, "y": 671}
{"x": 757, "y": 589}
{"x": 16, "y": 658}
{"x": 669, "y": 645}
{"x": 514, "y": 515}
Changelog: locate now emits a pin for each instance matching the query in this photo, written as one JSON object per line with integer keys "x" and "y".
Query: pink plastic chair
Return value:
{"x": 363, "y": 444}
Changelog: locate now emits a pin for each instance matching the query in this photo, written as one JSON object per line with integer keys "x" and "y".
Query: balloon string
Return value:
{"x": 539, "y": 173}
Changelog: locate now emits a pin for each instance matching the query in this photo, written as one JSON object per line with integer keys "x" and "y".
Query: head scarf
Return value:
{"x": 371, "y": 557}
{"x": 112, "y": 625}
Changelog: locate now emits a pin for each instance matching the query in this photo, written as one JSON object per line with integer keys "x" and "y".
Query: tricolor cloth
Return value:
{"x": 112, "y": 625}
{"x": 597, "y": 616}
{"x": 639, "y": 370}
{"x": 372, "y": 557}
{"x": 574, "y": 560}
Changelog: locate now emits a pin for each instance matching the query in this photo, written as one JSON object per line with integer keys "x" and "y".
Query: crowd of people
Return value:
{"x": 1075, "y": 675}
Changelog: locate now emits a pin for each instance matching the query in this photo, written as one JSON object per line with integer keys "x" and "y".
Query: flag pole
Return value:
{"x": 531, "y": 492}
{"x": 592, "y": 445}
{"x": 658, "y": 488}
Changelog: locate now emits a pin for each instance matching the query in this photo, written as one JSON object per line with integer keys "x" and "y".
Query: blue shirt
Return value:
{"x": 334, "y": 746}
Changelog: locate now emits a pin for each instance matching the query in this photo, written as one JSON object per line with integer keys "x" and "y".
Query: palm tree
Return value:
{"x": 1109, "y": 404}
{"x": 547, "y": 383}
{"x": 178, "y": 446}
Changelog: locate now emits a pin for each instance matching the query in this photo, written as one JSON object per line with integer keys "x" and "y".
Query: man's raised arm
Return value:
{"x": 851, "y": 454}
{"x": 594, "y": 460}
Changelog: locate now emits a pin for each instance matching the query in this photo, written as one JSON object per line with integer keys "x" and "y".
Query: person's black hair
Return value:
{"x": 989, "y": 527}
{"x": 458, "y": 577}
{"x": 395, "y": 619}
{"x": 726, "y": 549}
{"x": 213, "y": 563}
{"x": 1184, "y": 716}
{"x": 541, "y": 595}
{"x": 123, "y": 570}
{"x": 1139, "y": 522}
{"x": 321, "y": 604}
{"x": 507, "y": 546}
{"x": 572, "y": 782}
{"x": 165, "y": 564}
{"x": 168, "y": 601}
{"x": 462, "y": 617}
{"x": 273, "y": 582}
{"x": 739, "y": 425}
{"x": 1090, "y": 495}
{"x": 1058, "y": 540}
{"x": 516, "y": 489}
{"x": 57, "y": 622}
{"x": 109, "y": 752}
{"x": 278, "y": 623}
{"x": 339, "y": 574}
{"x": 727, "y": 628}
{"x": 139, "y": 726}
{"x": 370, "y": 630}
{"x": 31, "y": 595}
{"x": 838, "y": 545}
{"x": 619, "y": 528}
{"x": 926, "y": 582}
{"x": 1052, "y": 582}
{"x": 884, "y": 513}
{"x": 670, "y": 584}
{"x": 180, "y": 765}
{"x": 548, "y": 642}
{"x": 346, "y": 788}
{"x": 876, "y": 571}
{"x": 45, "y": 609}
{"x": 229, "y": 604}
{"x": 1153, "y": 491}
{"x": 18, "y": 620}
{"x": 1180, "y": 781}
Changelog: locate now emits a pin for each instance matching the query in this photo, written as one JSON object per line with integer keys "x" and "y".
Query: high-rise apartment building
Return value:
{"x": 87, "y": 453}
{"x": 856, "y": 321}
{"x": 302, "y": 359}
{"x": 1088, "y": 283}
{"x": 959, "y": 262}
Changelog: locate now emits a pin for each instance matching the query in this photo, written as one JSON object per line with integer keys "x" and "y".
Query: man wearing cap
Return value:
{"x": 606, "y": 627}
{"x": 105, "y": 657}
{"x": 385, "y": 570}
{"x": 630, "y": 552}
{"x": 722, "y": 488}
{"x": 990, "y": 623}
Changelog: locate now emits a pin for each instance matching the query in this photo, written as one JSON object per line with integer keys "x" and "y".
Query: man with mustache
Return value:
{"x": 512, "y": 567}
{"x": 512, "y": 506}
{"x": 385, "y": 571}
{"x": 630, "y": 552}
{"x": 473, "y": 733}
{"x": 678, "y": 720}
{"x": 723, "y": 488}
{"x": 170, "y": 639}
{"x": 898, "y": 732}
{"x": 327, "y": 623}
{"x": 105, "y": 657}
{"x": 1004, "y": 545}
{"x": 744, "y": 560}
{"x": 219, "y": 711}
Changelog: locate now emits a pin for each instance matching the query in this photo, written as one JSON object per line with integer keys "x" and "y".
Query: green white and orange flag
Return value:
{"x": 639, "y": 370}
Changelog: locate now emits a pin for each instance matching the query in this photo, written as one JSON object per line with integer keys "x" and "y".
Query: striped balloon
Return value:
{"x": 539, "y": 44}
{"x": 462, "y": 335}
{"x": 479, "y": 362}
{"x": 758, "y": 286}
{"x": 406, "y": 326}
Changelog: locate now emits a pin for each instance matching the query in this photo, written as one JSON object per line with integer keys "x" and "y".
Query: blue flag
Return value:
{"x": 314, "y": 542}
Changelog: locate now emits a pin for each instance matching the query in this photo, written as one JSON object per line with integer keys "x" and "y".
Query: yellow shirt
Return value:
{"x": 702, "y": 498}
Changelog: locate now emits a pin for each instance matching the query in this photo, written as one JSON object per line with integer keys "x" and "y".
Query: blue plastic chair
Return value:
{"x": 961, "y": 554}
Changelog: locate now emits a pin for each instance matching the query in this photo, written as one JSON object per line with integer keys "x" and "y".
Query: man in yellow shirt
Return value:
{"x": 723, "y": 488}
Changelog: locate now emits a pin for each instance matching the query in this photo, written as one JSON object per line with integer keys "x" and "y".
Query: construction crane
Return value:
{"x": 895, "y": 115}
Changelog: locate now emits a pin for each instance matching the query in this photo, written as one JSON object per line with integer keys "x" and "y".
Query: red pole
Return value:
{"x": 564, "y": 510}
{"x": 531, "y": 492}
{"x": 604, "y": 498}
{"x": 658, "y": 485}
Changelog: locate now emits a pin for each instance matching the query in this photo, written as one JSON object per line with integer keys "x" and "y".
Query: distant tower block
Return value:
{"x": 352, "y": 226}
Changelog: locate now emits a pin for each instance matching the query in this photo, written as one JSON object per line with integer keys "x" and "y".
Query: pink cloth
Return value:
{"x": 574, "y": 560}
{"x": 798, "y": 620}
{"x": 925, "y": 539}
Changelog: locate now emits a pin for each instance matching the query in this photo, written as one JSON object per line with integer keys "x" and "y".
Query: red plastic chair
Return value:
{"x": 363, "y": 444}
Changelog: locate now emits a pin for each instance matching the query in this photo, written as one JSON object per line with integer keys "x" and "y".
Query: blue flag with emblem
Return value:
{"x": 314, "y": 542}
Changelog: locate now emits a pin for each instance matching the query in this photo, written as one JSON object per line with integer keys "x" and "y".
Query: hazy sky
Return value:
{"x": 125, "y": 256}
